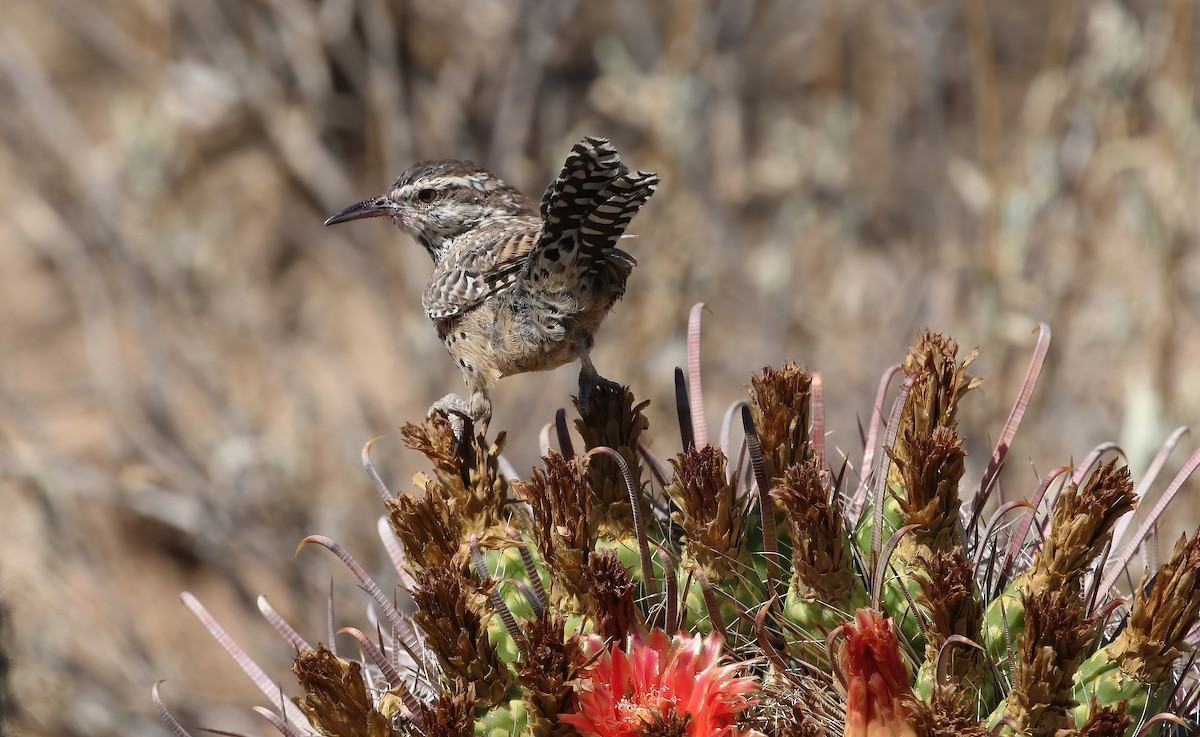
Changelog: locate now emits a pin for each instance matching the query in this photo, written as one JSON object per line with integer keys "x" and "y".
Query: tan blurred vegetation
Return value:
{"x": 191, "y": 362}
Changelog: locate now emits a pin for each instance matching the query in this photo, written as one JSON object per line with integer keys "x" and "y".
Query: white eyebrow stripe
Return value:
{"x": 480, "y": 181}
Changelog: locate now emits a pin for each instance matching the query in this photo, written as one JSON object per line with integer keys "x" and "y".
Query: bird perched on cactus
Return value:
{"x": 515, "y": 287}
{"x": 626, "y": 596}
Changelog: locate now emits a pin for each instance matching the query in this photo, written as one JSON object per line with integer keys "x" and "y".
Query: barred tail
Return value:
{"x": 585, "y": 212}
{"x": 604, "y": 224}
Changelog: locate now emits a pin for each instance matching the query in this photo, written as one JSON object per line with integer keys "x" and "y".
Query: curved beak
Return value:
{"x": 376, "y": 207}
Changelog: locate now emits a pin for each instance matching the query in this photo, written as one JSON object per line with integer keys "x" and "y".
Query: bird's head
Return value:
{"x": 436, "y": 201}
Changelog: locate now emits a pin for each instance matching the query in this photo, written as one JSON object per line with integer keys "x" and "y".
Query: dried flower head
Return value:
{"x": 710, "y": 514}
{"x": 948, "y": 713}
{"x": 1164, "y": 612}
{"x": 941, "y": 383}
{"x": 950, "y": 602}
{"x": 821, "y": 569}
{"x": 1106, "y": 721}
{"x": 549, "y": 674}
{"x": 336, "y": 699}
{"x": 560, "y": 503}
{"x": 432, "y": 533}
{"x": 454, "y": 616}
{"x": 931, "y": 467}
{"x": 1083, "y": 519}
{"x": 466, "y": 473}
{"x": 612, "y": 594}
{"x": 452, "y": 714}
{"x": 1055, "y": 638}
{"x": 779, "y": 405}
{"x": 613, "y": 421}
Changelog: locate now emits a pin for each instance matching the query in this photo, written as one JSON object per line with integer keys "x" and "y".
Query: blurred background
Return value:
{"x": 190, "y": 363}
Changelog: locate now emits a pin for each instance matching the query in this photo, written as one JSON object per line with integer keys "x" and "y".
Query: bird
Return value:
{"x": 516, "y": 286}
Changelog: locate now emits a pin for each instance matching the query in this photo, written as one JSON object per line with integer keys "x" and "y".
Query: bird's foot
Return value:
{"x": 455, "y": 409}
{"x": 464, "y": 415}
{"x": 589, "y": 383}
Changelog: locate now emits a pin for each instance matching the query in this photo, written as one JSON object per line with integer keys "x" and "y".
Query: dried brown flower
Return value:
{"x": 951, "y": 605}
{"x": 336, "y": 700}
{"x": 1163, "y": 614}
{"x": 933, "y": 400}
{"x": 466, "y": 473}
{"x": 943, "y": 382}
{"x": 454, "y": 616}
{"x": 612, "y": 420}
{"x": 949, "y": 713}
{"x": 930, "y": 467}
{"x": 548, "y": 674}
{"x": 560, "y": 503}
{"x": 431, "y": 532}
{"x": 711, "y": 516}
{"x": 1054, "y": 640}
{"x": 1083, "y": 519}
{"x": 612, "y": 594}
{"x": 1104, "y": 722}
{"x": 821, "y": 564}
{"x": 452, "y": 714}
{"x": 780, "y": 406}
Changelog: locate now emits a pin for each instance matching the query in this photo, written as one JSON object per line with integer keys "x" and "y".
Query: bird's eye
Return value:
{"x": 427, "y": 195}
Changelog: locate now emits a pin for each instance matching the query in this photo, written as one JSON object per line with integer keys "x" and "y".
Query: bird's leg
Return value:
{"x": 480, "y": 406}
{"x": 590, "y": 380}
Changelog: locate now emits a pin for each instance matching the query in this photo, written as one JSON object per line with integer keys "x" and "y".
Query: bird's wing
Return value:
{"x": 585, "y": 210}
{"x": 470, "y": 274}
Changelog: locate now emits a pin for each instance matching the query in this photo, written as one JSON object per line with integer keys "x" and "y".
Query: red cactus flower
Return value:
{"x": 660, "y": 678}
{"x": 877, "y": 684}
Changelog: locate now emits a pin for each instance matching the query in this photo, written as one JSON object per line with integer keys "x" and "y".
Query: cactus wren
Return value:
{"x": 516, "y": 288}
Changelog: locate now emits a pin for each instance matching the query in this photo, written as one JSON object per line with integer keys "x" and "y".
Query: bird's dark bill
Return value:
{"x": 376, "y": 207}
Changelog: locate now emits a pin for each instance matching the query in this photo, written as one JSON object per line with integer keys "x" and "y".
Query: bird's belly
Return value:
{"x": 541, "y": 342}
{"x": 540, "y": 335}
{"x": 523, "y": 357}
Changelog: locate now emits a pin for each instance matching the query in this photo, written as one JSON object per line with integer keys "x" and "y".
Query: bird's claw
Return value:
{"x": 589, "y": 382}
{"x": 456, "y": 410}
